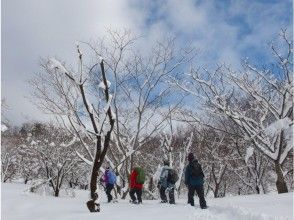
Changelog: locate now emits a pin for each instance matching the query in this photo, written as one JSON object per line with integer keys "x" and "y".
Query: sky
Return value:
{"x": 223, "y": 31}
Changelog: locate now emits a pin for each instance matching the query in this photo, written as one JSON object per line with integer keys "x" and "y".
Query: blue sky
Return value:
{"x": 222, "y": 30}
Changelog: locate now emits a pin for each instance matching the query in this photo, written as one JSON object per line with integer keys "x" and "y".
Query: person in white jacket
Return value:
{"x": 165, "y": 185}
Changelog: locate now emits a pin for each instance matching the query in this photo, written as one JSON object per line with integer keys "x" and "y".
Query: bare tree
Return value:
{"x": 49, "y": 152}
{"x": 175, "y": 146}
{"x": 9, "y": 164}
{"x": 252, "y": 167}
{"x": 141, "y": 92}
{"x": 259, "y": 102}
{"x": 84, "y": 111}
{"x": 9, "y": 153}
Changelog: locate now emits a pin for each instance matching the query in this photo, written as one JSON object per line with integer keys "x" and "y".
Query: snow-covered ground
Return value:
{"x": 17, "y": 205}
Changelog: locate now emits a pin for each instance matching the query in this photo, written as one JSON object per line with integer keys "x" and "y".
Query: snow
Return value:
{"x": 55, "y": 64}
{"x": 285, "y": 61}
{"x": 33, "y": 142}
{"x": 3, "y": 127}
{"x": 249, "y": 153}
{"x": 52, "y": 144}
{"x": 156, "y": 175}
{"x": 100, "y": 59}
{"x": 18, "y": 205}
{"x": 102, "y": 85}
{"x": 90, "y": 163}
{"x": 277, "y": 126}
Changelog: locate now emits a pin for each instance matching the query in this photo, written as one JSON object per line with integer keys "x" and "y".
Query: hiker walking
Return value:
{"x": 109, "y": 179}
{"x": 166, "y": 183}
{"x": 137, "y": 179}
{"x": 194, "y": 179}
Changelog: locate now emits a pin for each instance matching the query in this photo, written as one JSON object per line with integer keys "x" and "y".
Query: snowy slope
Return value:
{"x": 16, "y": 205}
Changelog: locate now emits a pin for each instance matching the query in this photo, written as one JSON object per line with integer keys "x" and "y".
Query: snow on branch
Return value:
{"x": 249, "y": 153}
{"x": 90, "y": 163}
{"x": 102, "y": 85}
{"x": 54, "y": 64}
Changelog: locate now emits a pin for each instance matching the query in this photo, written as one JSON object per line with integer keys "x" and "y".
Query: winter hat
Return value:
{"x": 191, "y": 157}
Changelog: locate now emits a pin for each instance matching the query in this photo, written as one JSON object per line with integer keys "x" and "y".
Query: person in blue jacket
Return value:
{"x": 194, "y": 180}
{"x": 109, "y": 178}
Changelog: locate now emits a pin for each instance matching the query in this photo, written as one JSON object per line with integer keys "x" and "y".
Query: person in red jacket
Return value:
{"x": 135, "y": 188}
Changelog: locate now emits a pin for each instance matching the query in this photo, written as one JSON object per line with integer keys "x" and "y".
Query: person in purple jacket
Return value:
{"x": 109, "y": 178}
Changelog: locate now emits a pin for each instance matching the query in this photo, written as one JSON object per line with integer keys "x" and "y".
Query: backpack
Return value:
{"x": 173, "y": 176}
{"x": 111, "y": 177}
{"x": 196, "y": 169}
{"x": 140, "y": 179}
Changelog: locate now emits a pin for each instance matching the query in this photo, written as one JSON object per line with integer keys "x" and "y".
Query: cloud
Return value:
{"x": 223, "y": 31}
{"x": 31, "y": 30}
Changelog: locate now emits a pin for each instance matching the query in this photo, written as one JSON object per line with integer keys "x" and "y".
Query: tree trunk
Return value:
{"x": 257, "y": 189}
{"x": 94, "y": 176}
{"x": 115, "y": 192}
{"x": 216, "y": 191}
{"x": 56, "y": 192}
{"x": 281, "y": 183}
{"x": 225, "y": 190}
{"x": 151, "y": 184}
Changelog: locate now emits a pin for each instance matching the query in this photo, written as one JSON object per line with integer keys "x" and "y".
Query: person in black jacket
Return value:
{"x": 194, "y": 180}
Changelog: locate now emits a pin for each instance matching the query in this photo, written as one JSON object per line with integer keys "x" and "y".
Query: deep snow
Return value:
{"x": 17, "y": 205}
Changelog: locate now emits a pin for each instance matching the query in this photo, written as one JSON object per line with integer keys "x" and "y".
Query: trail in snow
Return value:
{"x": 17, "y": 205}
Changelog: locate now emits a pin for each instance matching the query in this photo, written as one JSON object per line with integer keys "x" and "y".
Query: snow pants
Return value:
{"x": 138, "y": 192}
{"x": 108, "y": 189}
{"x": 200, "y": 192}
{"x": 171, "y": 194}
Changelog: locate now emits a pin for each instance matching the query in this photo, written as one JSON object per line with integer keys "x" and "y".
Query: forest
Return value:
{"x": 122, "y": 107}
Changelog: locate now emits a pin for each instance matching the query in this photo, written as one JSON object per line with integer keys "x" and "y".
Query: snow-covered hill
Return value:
{"x": 16, "y": 205}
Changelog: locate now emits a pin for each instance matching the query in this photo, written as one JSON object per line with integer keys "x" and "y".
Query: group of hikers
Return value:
{"x": 194, "y": 180}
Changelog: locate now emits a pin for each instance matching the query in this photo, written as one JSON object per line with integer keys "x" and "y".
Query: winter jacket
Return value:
{"x": 191, "y": 180}
{"x": 163, "y": 179}
{"x": 133, "y": 182}
{"x": 109, "y": 177}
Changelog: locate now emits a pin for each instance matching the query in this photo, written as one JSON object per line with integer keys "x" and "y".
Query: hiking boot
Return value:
{"x": 133, "y": 202}
{"x": 163, "y": 201}
{"x": 204, "y": 207}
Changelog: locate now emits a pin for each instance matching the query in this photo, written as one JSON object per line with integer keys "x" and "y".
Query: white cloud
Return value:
{"x": 31, "y": 29}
